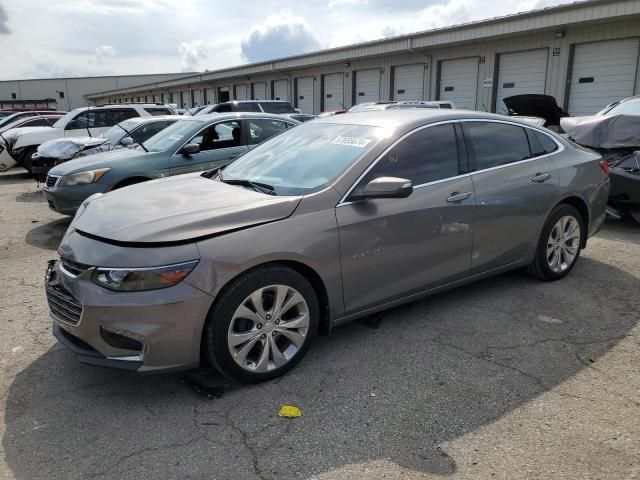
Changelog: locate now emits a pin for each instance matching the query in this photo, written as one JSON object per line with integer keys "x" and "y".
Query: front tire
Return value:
{"x": 262, "y": 324}
{"x": 559, "y": 245}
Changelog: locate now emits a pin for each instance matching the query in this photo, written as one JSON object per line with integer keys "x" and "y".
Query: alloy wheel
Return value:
{"x": 268, "y": 328}
{"x": 563, "y": 244}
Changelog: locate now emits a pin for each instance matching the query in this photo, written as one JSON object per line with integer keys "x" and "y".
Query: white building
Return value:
{"x": 69, "y": 93}
{"x": 584, "y": 54}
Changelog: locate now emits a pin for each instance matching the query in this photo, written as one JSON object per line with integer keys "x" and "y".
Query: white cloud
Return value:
{"x": 159, "y": 36}
{"x": 104, "y": 51}
{"x": 282, "y": 35}
{"x": 191, "y": 55}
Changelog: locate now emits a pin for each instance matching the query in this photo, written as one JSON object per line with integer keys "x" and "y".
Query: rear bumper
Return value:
{"x": 625, "y": 187}
{"x": 598, "y": 206}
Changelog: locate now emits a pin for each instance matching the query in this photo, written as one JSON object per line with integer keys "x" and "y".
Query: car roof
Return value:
{"x": 153, "y": 118}
{"x": 238, "y": 115}
{"x": 394, "y": 118}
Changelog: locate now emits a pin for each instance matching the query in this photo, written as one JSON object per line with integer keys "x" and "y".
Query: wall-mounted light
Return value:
{"x": 348, "y": 64}
{"x": 559, "y": 34}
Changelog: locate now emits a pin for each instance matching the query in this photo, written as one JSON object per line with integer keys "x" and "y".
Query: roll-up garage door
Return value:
{"x": 459, "y": 82}
{"x": 520, "y": 73}
{"x": 333, "y": 91}
{"x": 601, "y": 73}
{"x": 367, "y": 86}
{"x": 197, "y": 97}
{"x": 242, "y": 92}
{"x": 185, "y": 98}
{"x": 408, "y": 82}
{"x": 260, "y": 91}
{"x": 281, "y": 90}
{"x": 210, "y": 96}
{"x": 304, "y": 94}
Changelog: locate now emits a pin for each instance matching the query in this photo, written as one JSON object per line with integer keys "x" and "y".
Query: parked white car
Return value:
{"x": 128, "y": 134}
{"x": 81, "y": 122}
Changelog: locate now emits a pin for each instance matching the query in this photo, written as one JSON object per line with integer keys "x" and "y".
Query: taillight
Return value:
{"x": 605, "y": 167}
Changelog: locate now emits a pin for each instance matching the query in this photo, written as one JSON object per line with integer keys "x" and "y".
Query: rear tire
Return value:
{"x": 262, "y": 324}
{"x": 560, "y": 244}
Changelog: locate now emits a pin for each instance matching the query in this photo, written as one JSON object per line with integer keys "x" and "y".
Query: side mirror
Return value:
{"x": 190, "y": 149}
{"x": 126, "y": 142}
{"x": 384, "y": 187}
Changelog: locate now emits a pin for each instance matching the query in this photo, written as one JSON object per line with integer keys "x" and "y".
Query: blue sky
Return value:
{"x": 41, "y": 38}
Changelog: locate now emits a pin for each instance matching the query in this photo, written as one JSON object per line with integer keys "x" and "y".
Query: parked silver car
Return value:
{"x": 325, "y": 223}
{"x": 191, "y": 144}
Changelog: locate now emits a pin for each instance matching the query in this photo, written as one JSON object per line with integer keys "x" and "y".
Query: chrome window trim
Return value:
{"x": 343, "y": 201}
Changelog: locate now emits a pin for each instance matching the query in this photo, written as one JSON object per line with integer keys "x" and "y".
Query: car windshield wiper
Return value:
{"x": 258, "y": 186}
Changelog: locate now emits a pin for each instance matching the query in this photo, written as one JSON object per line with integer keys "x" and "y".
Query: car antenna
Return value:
{"x": 126, "y": 131}
{"x": 88, "y": 131}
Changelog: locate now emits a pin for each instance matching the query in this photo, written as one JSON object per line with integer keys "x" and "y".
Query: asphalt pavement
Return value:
{"x": 506, "y": 378}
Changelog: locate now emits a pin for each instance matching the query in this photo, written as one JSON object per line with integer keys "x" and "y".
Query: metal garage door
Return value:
{"x": 196, "y": 97}
{"x": 367, "y": 86}
{"x": 304, "y": 94}
{"x": 281, "y": 90}
{"x": 210, "y": 96}
{"x": 459, "y": 82}
{"x": 333, "y": 91}
{"x": 520, "y": 73}
{"x": 408, "y": 82}
{"x": 185, "y": 98}
{"x": 260, "y": 91}
{"x": 602, "y": 72}
{"x": 242, "y": 92}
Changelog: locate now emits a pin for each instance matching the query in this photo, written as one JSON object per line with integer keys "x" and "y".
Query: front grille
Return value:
{"x": 63, "y": 305}
{"x": 51, "y": 180}
{"x": 74, "y": 268}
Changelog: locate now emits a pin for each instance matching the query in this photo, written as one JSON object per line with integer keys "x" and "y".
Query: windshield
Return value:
{"x": 115, "y": 133}
{"x": 305, "y": 159}
{"x": 630, "y": 107}
{"x": 178, "y": 132}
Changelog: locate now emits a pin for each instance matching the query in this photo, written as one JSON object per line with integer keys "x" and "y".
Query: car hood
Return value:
{"x": 99, "y": 160}
{"x": 177, "y": 210}
{"x": 604, "y": 131}
{"x": 535, "y": 105}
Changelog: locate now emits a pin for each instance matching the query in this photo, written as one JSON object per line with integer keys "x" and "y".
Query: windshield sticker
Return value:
{"x": 352, "y": 141}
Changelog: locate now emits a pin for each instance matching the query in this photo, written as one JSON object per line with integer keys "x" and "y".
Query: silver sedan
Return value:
{"x": 322, "y": 224}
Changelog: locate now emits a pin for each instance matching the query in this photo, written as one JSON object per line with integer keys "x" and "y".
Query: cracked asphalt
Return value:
{"x": 507, "y": 378}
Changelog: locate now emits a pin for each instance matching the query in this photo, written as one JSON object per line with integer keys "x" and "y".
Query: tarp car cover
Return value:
{"x": 604, "y": 131}
{"x": 68, "y": 148}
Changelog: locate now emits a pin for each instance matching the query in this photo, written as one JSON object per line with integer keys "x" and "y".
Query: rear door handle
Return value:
{"x": 458, "y": 197}
{"x": 541, "y": 177}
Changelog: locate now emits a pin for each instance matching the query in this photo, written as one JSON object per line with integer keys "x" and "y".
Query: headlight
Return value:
{"x": 147, "y": 278}
{"x": 83, "y": 178}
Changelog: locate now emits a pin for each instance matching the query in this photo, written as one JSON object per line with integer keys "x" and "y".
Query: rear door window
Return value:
{"x": 492, "y": 144}
{"x": 428, "y": 155}
{"x": 262, "y": 128}
{"x": 219, "y": 135}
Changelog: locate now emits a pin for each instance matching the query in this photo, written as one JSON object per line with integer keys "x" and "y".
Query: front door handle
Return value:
{"x": 541, "y": 177}
{"x": 458, "y": 196}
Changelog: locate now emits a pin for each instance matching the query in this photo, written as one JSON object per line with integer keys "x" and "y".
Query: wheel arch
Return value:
{"x": 581, "y": 205}
{"x": 309, "y": 273}
{"x": 131, "y": 181}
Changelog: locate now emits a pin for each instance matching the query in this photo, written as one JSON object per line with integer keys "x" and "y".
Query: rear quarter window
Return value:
{"x": 277, "y": 107}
